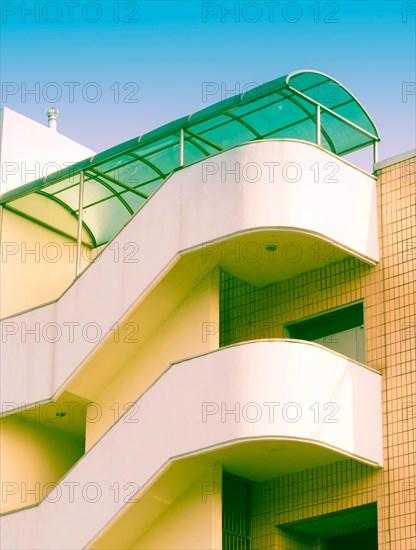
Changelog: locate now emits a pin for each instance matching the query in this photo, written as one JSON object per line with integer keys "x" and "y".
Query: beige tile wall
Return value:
{"x": 305, "y": 495}
{"x": 389, "y": 294}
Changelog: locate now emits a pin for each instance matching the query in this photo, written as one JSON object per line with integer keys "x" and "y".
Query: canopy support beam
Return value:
{"x": 336, "y": 115}
{"x": 318, "y": 125}
{"x": 118, "y": 182}
{"x": 375, "y": 152}
{"x": 79, "y": 229}
{"x": 181, "y": 147}
{"x": 205, "y": 140}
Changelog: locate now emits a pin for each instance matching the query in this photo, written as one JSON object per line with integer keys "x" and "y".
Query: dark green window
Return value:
{"x": 349, "y": 529}
{"x": 362, "y": 540}
{"x": 341, "y": 330}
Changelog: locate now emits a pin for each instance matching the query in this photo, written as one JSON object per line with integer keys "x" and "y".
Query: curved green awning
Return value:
{"x": 117, "y": 182}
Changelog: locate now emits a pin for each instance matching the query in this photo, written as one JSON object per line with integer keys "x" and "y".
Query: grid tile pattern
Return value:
{"x": 389, "y": 294}
{"x": 308, "y": 494}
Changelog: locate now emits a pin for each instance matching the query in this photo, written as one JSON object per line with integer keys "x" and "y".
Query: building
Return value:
{"x": 209, "y": 336}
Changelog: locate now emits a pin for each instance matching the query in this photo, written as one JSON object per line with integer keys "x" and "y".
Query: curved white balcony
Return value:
{"x": 305, "y": 401}
{"x": 287, "y": 192}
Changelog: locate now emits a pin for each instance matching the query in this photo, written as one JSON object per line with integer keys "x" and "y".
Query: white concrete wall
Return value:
{"x": 179, "y": 337}
{"x": 30, "y": 151}
{"x": 191, "y": 523}
{"x": 171, "y": 423}
{"x": 33, "y": 458}
{"x": 189, "y": 210}
{"x": 36, "y": 265}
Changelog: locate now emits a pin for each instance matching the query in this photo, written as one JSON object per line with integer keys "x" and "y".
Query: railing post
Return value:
{"x": 375, "y": 152}
{"x": 80, "y": 216}
{"x": 318, "y": 125}
{"x": 181, "y": 147}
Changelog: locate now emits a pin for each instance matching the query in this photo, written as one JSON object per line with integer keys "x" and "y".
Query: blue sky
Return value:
{"x": 118, "y": 69}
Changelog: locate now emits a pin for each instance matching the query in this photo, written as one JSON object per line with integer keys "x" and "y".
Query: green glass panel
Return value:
{"x": 150, "y": 188}
{"x": 195, "y": 141}
{"x": 93, "y": 192}
{"x": 161, "y": 143}
{"x": 329, "y": 94}
{"x": 345, "y": 138}
{"x": 106, "y": 219}
{"x": 134, "y": 201}
{"x": 192, "y": 153}
{"x": 272, "y": 118}
{"x": 353, "y": 112}
{"x": 112, "y": 164}
{"x": 257, "y": 104}
{"x": 134, "y": 173}
{"x": 64, "y": 184}
{"x": 167, "y": 159}
{"x": 207, "y": 125}
{"x": 272, "y": 110}
{"x": 230, "y": 134}
{"x": 307, "y": 80}
{"x": 303, "y": 130}
{"x": 333, "y": 95}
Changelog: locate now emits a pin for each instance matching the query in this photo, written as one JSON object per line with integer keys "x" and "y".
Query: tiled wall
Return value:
{"x": 305, "y": 495}
{"x": 389, "y": 294}
{"x": 397, "y": 210}
{"x": 248, "y": 313}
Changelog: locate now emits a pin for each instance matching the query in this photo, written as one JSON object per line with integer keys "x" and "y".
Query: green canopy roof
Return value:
{"x": 117, "y": 182}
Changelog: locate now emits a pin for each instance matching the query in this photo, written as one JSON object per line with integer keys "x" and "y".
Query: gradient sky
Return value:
{"x": 158, "y": 55}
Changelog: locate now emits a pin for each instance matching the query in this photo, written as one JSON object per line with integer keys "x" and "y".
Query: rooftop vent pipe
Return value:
{"x": 53, "y": 114}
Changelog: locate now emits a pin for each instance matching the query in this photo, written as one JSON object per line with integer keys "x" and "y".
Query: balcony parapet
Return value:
{"x": 291, "y": 396}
